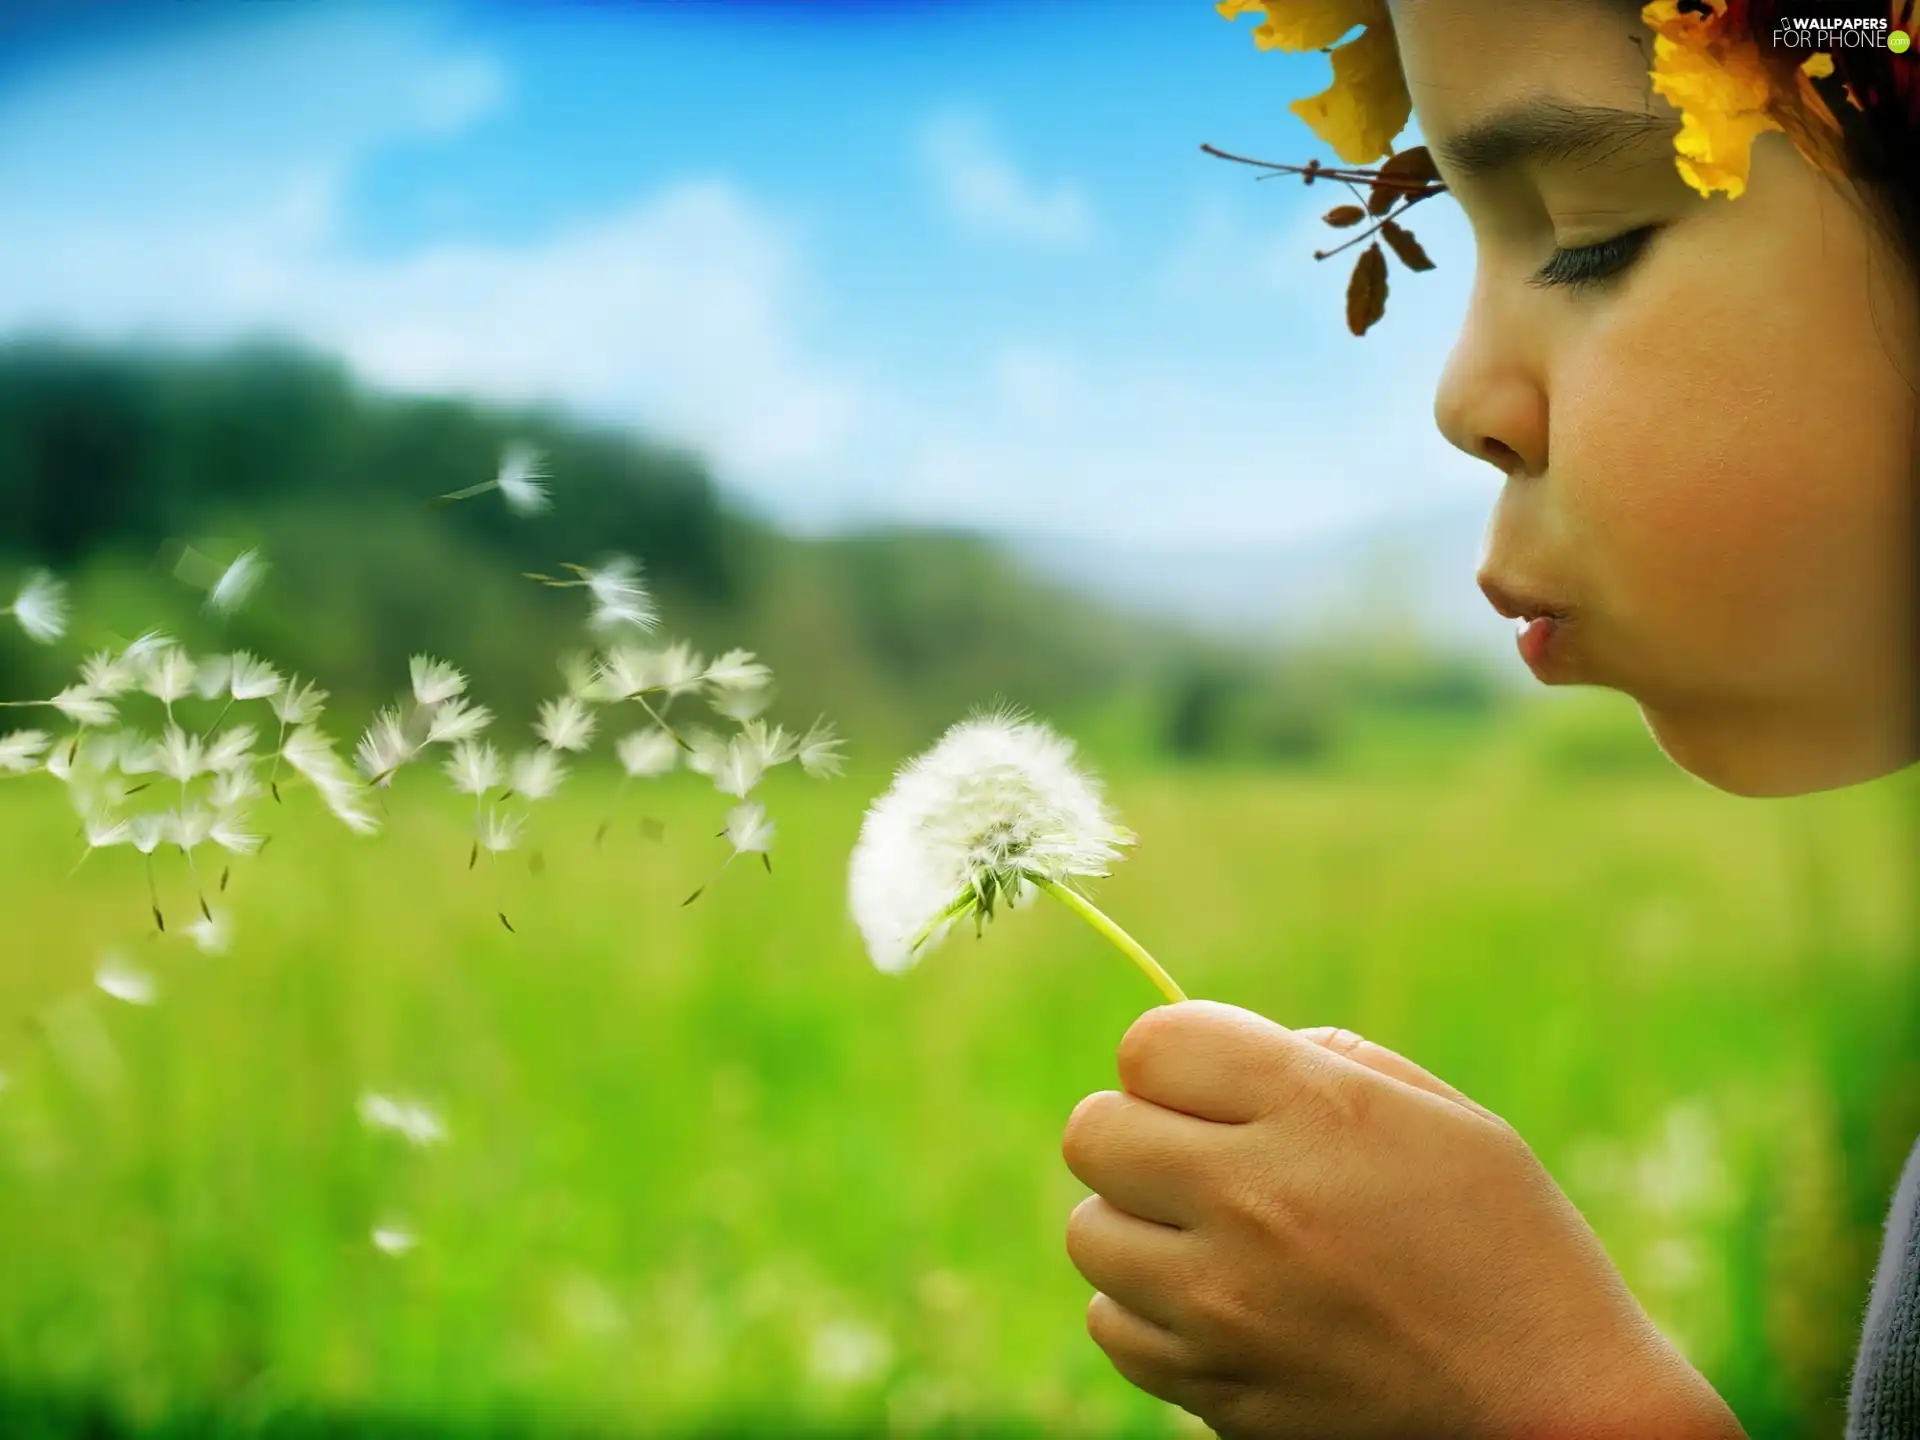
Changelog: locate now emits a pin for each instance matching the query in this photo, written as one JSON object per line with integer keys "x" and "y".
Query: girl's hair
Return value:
{"x": 1879, "y": 142}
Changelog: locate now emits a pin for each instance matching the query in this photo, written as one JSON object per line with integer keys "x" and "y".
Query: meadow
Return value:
{"x": 707, "y": 1171}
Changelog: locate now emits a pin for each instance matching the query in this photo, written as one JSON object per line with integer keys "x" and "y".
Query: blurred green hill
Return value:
{"x": 110, "y": 459}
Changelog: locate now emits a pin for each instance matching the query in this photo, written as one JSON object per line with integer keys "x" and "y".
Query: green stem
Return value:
{"x": 1122, "y": 941}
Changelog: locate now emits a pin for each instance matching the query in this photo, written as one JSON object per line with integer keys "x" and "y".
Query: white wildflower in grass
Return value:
{"x": 647, "y": 753}
{"x": 125, "y": 982}
{"x": 40, "y": 607}
{"x": 537, "y": 773}
{"x": 819, "y": 751}
{"x": 414, "y": 1121}
{"x": 237, "y": 583}
{"x": 565, "y": 724}
{"x": 393, "y": 1239}
{"x": 434, "y": 680}
{"x": 997, "y": 807}
{"x": 455, "y": 721}
{"x": 21, "y": 750}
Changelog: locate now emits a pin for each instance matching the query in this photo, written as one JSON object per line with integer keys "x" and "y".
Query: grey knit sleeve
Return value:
{"x": 1885, "y": 1401}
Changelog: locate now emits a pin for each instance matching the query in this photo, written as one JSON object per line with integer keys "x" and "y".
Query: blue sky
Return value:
{"x": 929, "y": 262}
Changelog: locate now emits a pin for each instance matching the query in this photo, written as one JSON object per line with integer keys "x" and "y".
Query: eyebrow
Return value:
{"x": 1547, "y": 131}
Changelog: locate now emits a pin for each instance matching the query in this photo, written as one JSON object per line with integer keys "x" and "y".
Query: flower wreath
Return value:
{"x": 1705, "y": 63}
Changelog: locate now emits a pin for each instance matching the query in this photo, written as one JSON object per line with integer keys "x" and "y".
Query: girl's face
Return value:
{"x": 1706, "y": 422}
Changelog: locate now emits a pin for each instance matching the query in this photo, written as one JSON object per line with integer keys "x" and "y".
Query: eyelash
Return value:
{"x": 1585, "y": 265}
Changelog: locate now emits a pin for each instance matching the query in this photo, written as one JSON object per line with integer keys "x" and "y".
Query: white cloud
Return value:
{"x": 676, "y": 312}
{"x": 982, "y": 189}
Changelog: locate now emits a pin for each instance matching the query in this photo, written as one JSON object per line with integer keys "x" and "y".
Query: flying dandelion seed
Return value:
{"x": 647, "y": 753}
{"x": 749, "y": 832}
{"x": 434, "y": 680}
{"x": 251, "y": 678}
{"x": 474, "y": 768}
{"x": 83, "y": 707}
{"x": 212, "y": 934}
{"x": 384, "y": 748}
{"x": 537, "y": 773}
{"x": 741, "y": 705}
{"x": 566, "y": 724}
{"x": 620, "y": 598}
{"x": 21, "y": 750}
{"x": 124, "y": 982}
{"x": 168, "y": 675}
{"x": 456, "y": 721}
{"x": 41, "y": 607}
{"x": 521, "y": 478}
{"x": 819, "y": 751}
{"x": 417, "y": 1123}
{"x": 393, "y": 1240}
{"x": 501, "y": 832}
{"x": 237, "y": 583}
{"x": 997, "y": 807}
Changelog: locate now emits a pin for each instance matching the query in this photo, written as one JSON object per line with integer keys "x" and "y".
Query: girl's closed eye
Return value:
{"x": 1584, "y": 265}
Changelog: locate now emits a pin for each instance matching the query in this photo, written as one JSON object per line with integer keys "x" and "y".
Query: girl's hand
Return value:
{"x": 1301, "y": 1233}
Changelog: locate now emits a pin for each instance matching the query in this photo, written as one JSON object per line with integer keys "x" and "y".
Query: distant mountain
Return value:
{"x": 1412, "y": 575}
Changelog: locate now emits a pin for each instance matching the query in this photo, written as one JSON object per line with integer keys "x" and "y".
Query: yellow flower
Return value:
{"x": 1718, "y": 83}
{"x": 1367, "y": 104}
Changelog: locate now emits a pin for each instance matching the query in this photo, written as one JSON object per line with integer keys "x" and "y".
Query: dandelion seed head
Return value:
{"x": 41, "y": 607}
{"x": 647, "y": 753}
{"x": 520, "y": 480}
{"x": 237, "y": 583}
{"x": 21, "y": 750}
{"x": 125, "y": 982}
{"x": 996, "y": 803}
{"x": 566, "y": 724}
{"x": 434, "y": 680}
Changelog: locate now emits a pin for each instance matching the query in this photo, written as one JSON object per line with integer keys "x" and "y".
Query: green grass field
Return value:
{"x": 705, "y": 1164}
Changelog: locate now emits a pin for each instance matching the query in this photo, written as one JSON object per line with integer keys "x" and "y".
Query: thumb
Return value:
{"x": 1386, "y": 1062}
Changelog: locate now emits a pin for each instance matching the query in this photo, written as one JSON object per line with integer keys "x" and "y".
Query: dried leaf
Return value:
{"x": 1413, "y": 166}
{"x": 1367, "y": 103}
{"x": 1405, "y": 246}
{"x": 1367, "y": 290}
{"x": 1341, "y": 216}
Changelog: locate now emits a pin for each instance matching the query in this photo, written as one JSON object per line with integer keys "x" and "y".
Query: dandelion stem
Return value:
{"x": 672, "y": 734}
{"x": 469, "y": 492}
{"x": 1122, "y": 941}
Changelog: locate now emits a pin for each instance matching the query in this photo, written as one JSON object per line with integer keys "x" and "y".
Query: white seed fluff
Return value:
{"x": 995, "y": 803}
{"x": 41, "y": 607}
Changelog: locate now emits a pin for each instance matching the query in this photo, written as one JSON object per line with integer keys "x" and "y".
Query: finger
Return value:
{"x": 1379, "y": 1058}
{"x": 1147, "y": 1355}
{"x": 1145, "y": 1159}
{"x": 1212, "y": 1061}
{"x": 1142, "y": 1265}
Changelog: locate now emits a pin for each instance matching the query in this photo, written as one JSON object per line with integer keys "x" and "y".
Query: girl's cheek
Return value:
{"x": 1695, "y": 498}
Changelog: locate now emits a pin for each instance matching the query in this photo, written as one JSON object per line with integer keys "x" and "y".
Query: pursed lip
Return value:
{"x": 1520, "y": 602}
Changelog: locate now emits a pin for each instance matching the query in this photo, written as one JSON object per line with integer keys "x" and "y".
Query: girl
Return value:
{"x": 1704, "y": 407}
